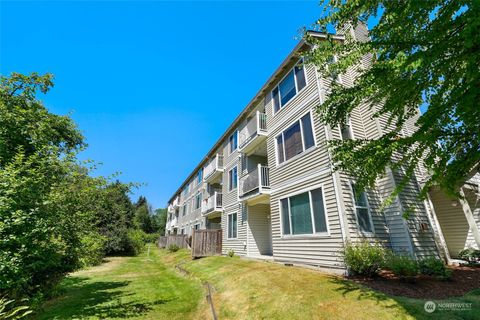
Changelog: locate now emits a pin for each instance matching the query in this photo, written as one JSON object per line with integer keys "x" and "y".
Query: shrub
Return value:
{"x": 230, "y": 253}
{"x": 92, "y": 250}
{"x": 472, "y": 256}
{"x": 173, "y": 248}
{"x": 403, "y": 266}
{"x": 364, "y": 258}
{"x": 151, "y": 237}
{"x": 434, "y": 267}
{"x": 9, "y": 311}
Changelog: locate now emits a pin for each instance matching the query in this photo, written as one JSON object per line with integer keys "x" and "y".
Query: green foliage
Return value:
{"x": 173, "y": 248}
{"x": 160, "y": 221}
{"x": 143, "y": 216}
{"x": 93, "y": 250}
{"x": 425, "y": 53}
{"x": 135, "y": 242}
{"x": 403, "y": 266}
{"x": 231, "y": 253}
{"x": 151, "y": 237}
{"x": 434, "y": 267}
{"x": 9, "y": 311}
{"x": 472, "y": 256}
{"x": 364, "y": 258}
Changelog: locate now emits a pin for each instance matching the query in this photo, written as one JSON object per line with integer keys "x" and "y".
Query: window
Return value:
{"x": 232, "y": 179}
{"x": 334, "y": 76}
{"x": 199, "y": 176}
{"x": 362, "y": 210}
{"x": 197, "y": 226}
{"x": 233, "y": 141}
{"x": 182, "y": 231}
{"x": 198, "y": 200}
{"x": 293, "y": 82}
{"x": 184, "y": 212}
{"x": 346, "y": 129}
{"x": 304, "y": 213}
{"x": 232, "y": 225}
{"x": 296, "y": 139}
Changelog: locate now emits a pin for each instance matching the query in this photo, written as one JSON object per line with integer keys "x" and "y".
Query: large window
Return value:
{"x": 362, "y": 210}
{"x": 304, "y": 213}
{"x": 232, "y": 179}
{"x": 296, "y": 139}
{"x": 293, "y": 82}
{"x": 233, "y": 141}
{"x": 199, "y": 176}
{"x": 232, "y": 225}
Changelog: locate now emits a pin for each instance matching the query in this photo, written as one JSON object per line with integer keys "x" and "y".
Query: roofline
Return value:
{"x": 252, "y": 102}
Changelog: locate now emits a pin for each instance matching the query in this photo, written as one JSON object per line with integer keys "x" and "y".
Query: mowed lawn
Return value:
{"x": 151, "y": 288}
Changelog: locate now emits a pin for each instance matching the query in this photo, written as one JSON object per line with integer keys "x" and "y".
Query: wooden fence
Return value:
{"x": 206, "y": 243}
{"x": 181, "y": 240}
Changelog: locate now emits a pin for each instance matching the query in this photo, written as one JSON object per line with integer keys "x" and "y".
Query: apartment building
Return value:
{"x": 268, "y": 181}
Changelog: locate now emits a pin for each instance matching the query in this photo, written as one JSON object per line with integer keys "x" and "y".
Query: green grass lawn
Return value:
{"x": 142, "y": 288}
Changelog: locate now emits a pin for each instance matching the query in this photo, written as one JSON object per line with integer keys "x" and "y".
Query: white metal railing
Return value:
{"x": 213, "y": 166}
{"x": 256, "y": 125}
{"x": 257, "y": 179}
{"x": 213, "y": 202}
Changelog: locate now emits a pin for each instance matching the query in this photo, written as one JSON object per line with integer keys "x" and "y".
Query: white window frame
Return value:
{"x": 296, "y": 87}
{"x": 368, "y": 233}
{"x": 198, "y": 203}
{"x": 305, "y": 151}
{"x": 228, "y": 226}
{"x": 307, "y": 235}
{"x": 230, "y": 189}
{"x": 339, "y": 79}
{"x": 350, "y": 129}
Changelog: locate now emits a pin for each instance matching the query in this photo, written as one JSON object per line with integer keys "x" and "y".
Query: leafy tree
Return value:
{"x": 425, "y": 53}
{"x": 160, "y": 220}
{"x": 143, "y": 217}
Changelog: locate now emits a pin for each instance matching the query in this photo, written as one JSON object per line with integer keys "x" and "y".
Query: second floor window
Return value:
{"x": 232, "y": 179}
{"x": 233, "y": 141}
{"x": 288, "y": 88}
{"x": 346, "y": 129}
{"x": 295, "y": 139}
{"x": 184, "y": 212}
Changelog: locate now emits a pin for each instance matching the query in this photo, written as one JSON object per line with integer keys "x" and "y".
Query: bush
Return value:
{"x": 92, "y": 250}
{"x": 135, "y": 242}
{"x": 434, "y": 267}
{"x": 403, "y": 266}
{"x": 472, "y": 256}
{"x": 9, "y": 311}
{"x": 230, "y": 253}
{"x": 151, "y": 237}
{"x": 364, "y": 258}
{"x": 173, "y": 248}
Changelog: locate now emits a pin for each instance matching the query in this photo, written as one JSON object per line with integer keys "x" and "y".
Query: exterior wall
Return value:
{"x": 259, "y": 230}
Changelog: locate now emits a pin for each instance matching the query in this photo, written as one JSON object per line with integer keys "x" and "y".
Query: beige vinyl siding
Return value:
{"x": 238, "y": 245}
{"x": 259, "y": 232}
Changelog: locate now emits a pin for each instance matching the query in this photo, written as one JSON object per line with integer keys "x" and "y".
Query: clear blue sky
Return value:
{"x": 152, "y": 85}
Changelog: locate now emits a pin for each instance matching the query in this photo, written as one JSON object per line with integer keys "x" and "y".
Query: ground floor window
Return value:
{"x": 362, "y": 210}
{"x": 197, "y": 226}
{"x": 304, "y": 213}
{"x": 232, "y": 225}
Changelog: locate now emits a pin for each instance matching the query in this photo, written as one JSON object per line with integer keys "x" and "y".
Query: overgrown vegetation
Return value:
{"x": 173, "y": 248}
{"x": 403, "y": 266}
{"x": 55, "y": 217}
{"x": 435, "y": 267}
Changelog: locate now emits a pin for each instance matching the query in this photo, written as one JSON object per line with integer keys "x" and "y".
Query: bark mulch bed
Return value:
{"x": 464, "y": 279}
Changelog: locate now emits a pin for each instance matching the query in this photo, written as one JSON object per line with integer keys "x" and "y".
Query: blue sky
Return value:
{"x": 152, "y": 85}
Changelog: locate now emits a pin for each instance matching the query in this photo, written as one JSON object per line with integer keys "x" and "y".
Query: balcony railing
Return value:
{"x": 256, "y": 181}
{"x": 214, "y": 166}
{"x": 213, "y": 203}
{"x": 255, "y": 127}
{"x": 176, "y": 202}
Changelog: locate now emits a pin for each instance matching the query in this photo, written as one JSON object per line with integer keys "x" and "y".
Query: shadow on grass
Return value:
{"x": 101, "y": 299}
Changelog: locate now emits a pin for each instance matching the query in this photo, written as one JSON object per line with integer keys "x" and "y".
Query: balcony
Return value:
{"x": 176, "y": 203}
{"x": 213, "y": 169}
{"x": 254, "y": 133}
{"x": 255, "y": 185}
{"x": 212, "y": 204}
